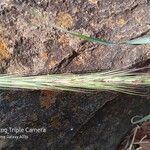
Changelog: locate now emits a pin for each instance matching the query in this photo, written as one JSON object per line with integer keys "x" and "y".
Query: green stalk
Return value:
{"x": 136, "y": 41}
{"x": 120, "y": 81}
{"x": 91, "y": 39}
{"x": 140, "y": 119}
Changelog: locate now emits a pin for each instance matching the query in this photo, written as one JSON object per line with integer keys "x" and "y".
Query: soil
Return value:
{"x": 30, "y": 46}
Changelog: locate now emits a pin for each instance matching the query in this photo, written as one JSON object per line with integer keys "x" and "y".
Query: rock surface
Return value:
{"x": 29, "y": 45}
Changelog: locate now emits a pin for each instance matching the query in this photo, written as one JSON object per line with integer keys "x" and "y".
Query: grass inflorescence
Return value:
{"x": 121, "y": 81}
